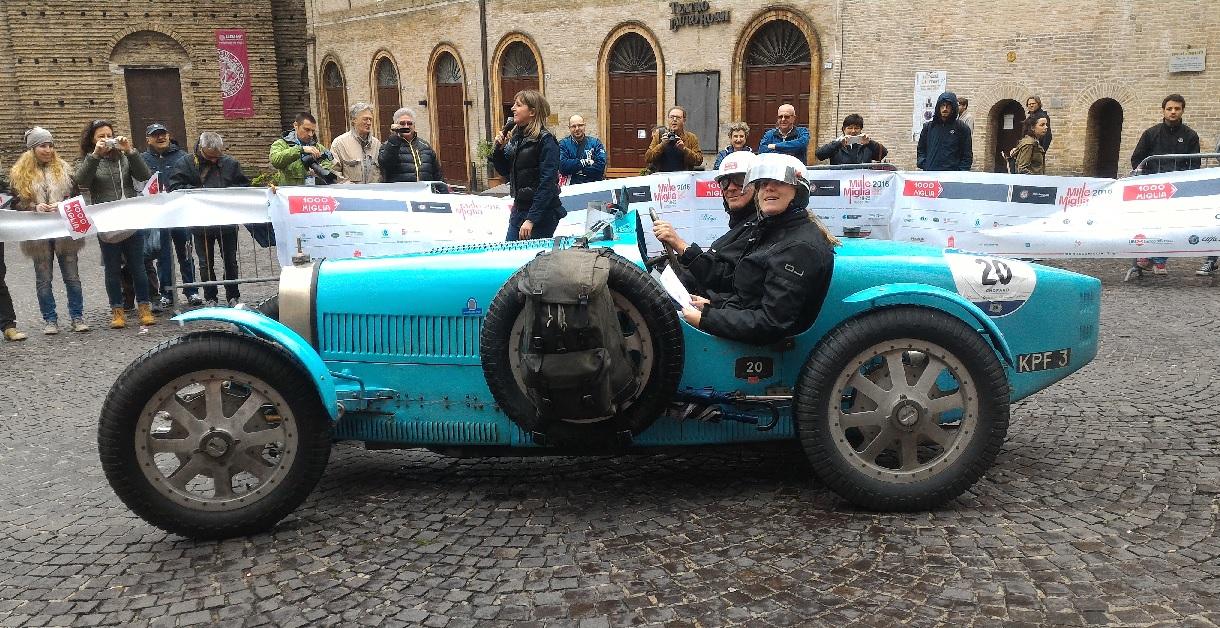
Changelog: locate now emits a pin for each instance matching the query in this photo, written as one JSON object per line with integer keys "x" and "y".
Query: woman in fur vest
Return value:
{"x": 39, "y": 181}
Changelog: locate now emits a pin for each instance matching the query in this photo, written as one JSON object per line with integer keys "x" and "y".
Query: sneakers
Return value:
{"x": 146, "y": 315}
{"x": 118, "y": 318}
{"x": 194, "y": 299}
{"x": 78, "y": 325}
{"x": 233, "y": 302}
{"x": 1208, "y": 267}
{"x": 210, "y": 303}
{"x": 50, "y": 328}
{"x": 1159, "y": 269}
{"x": 12, "y": 334}
{"x": 165, "y": 303}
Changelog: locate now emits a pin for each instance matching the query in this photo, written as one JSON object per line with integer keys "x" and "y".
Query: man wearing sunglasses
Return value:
{"x": 709, "y": 273}
{"x": 405, "y": 157}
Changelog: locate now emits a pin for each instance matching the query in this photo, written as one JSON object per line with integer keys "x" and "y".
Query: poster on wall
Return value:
{"x": 236, "y": 94}
{"x": 928, "y": 86}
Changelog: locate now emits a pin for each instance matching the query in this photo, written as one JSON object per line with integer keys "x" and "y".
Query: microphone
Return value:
{"x": 509, "y": 126}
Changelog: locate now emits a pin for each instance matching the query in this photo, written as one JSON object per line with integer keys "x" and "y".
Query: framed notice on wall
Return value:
{"x": 928, "y": 87}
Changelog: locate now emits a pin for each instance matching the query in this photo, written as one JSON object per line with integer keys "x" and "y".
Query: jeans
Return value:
{"x": 205, "y": 247}
{"x": 181, "y": 237}
{"x": 131, "y": 252}
{"x": 44, "y": 273}
{"x": 8, "y": 317}
{"x": 544, "y": 228}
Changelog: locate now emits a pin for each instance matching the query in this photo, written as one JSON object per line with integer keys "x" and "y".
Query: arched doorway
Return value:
{"x": 777, "y": 71}
{"x": 151, "y": 63}
{"x": 387, "y": 95}
{"x": 449, "y": 107}
{"x": 1004, "y": 121}
{"x": 1102, "y": 137}
{"x": 631, "y": 90}
{"x": 518, "y": 71}
{"x": 334, "y": 95}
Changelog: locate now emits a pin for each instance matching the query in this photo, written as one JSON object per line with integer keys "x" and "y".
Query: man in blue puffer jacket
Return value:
{"x": 581, "y": 157}
{"x": 944, "y": 142}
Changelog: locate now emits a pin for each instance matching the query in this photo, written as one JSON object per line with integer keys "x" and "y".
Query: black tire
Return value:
{"x": 269, "y": 307}
{"x": 279, "y": 397}
{"x": 666, "y": 361}
{"x": 881, "y": 448}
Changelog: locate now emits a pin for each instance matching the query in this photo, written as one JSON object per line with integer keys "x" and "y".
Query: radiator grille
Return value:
{"x": 393, "y": 335}
{"x": 382, "y": 430}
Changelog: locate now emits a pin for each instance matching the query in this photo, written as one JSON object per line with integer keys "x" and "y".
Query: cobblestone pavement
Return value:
{"x": 1101, "y": 510}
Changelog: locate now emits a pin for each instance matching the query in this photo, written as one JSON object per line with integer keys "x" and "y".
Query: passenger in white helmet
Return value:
{"x": 708, "y": 273}
{"x": 781, "y": 278}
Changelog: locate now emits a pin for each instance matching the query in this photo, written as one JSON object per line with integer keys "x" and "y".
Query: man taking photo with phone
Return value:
{"x": 854, "y": 146}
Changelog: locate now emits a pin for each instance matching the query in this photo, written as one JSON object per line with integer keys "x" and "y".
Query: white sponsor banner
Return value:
{"x": 1174, "y": 214}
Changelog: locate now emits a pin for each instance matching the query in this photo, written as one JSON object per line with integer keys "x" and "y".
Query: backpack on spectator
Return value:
{"x": 574, "y": 362}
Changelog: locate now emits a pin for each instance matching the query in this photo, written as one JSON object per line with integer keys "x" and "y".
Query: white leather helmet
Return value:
{"x": 782, "y": 168}
{"x": 737, "y": 162}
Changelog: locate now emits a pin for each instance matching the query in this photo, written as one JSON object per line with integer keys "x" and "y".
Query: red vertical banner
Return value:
{"x": 235, "y": 89}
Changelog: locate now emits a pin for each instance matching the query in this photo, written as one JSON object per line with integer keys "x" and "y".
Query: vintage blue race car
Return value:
{"x": 899, "y": 393}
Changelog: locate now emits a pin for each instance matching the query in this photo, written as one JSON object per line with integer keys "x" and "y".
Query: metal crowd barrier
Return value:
{"x": 1196, "y": 159}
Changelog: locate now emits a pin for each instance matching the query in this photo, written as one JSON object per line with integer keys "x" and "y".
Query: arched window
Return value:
{"x": 388, "y": 98}
{"x": 334, "y": 92}
{"x": 518, "y": 71}
{"x": 450, "y": 109}
{"x": 631, "y": 87}
{"x": 777, "y": 71}
{"x": 1102, "y": 135}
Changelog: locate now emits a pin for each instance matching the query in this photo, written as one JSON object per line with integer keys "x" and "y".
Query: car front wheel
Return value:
{"x": 902, "y": 409}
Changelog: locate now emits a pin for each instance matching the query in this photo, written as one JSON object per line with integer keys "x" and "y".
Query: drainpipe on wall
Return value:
{"x": 486, "y": 77}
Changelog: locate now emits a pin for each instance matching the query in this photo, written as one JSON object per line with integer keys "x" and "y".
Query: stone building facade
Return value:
{"x": 1100, "y": 66}
{"x": 64, "y": 64}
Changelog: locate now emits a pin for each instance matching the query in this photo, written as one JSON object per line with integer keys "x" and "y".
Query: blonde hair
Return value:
{"x": 26, "y": 170}
{"x": 537, "y": 103}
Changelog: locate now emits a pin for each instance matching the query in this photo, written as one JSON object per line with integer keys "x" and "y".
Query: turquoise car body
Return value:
{"x": 393, "y": 342}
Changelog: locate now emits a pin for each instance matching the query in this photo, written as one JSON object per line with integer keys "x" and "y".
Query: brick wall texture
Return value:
{"x": 62, "y": 62}
{"x": 1071, "y": 54}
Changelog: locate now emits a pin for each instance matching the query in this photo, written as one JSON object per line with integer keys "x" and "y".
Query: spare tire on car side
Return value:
{"x": 653, "y": 336}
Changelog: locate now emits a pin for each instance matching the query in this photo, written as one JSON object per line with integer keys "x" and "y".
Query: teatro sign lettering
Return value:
{"x": 695, "y": 14}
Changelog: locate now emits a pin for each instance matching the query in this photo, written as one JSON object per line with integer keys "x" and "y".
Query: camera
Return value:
{"x": 669, "y": 136}
{"x": 111, "y": 142}
{"x": 322, "y": 176}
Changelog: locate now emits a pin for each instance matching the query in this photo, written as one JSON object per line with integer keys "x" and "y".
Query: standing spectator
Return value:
{"x": 738, "y": 131}
{"x": 356, "y": 151}
{"x": 581, "y": 157}
{"x": 40, "y": 180}
{"x": 405, "y": 156}
{"x": 1170, "y": 137}
{"x": 162, "y": 157}
{"x": 529, "y": 157}
{"x": 854, "y": 146}
{"x": 1029, "y": 154}
{"x": 109, "y": 170}
{"x": 1033, "y": 109}
{"x": 8, "y": 316}
{"x": 786, "y": 138}
{"x": 944, "y": 141}
{"x": 210, "y": 167}
{"x": 290, "y": 153}
{"x": 965, "y": 116}
{"x": 673, "y": 148}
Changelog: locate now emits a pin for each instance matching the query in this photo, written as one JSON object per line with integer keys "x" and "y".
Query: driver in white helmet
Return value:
{"x": 708, "y": 273}
{"x": 781, "y": 278}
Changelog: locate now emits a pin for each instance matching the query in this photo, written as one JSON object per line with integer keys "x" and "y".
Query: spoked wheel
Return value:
{"x": 903, "y": 409}
{"x": 213, "y": 435}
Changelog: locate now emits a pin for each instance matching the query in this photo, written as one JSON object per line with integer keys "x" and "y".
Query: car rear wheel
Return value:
{"x": 213, "y": 435}
{"x": 902, "y": 409}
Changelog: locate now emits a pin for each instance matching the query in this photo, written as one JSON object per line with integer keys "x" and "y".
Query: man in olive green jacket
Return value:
{"x": 288, "y": 151}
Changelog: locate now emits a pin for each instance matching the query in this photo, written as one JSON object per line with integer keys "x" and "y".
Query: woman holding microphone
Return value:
{"x": 527, "y": 153}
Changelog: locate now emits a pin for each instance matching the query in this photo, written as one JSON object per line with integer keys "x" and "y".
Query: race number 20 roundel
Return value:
{"x": 998, "y": 286}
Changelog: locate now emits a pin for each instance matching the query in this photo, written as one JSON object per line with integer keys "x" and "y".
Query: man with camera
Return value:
{"x": 673, "y": 148}
{"x": 299, "y": 158}
{"x": 405, "y": 157}
{"x": 854, "y": 146}
{"x": 581, "y": 157}
{"x": 356, "y": 151}
{"x": 786, "y": 138}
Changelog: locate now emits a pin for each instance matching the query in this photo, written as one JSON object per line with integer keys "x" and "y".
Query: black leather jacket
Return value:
{"x": 398, "y": 161}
